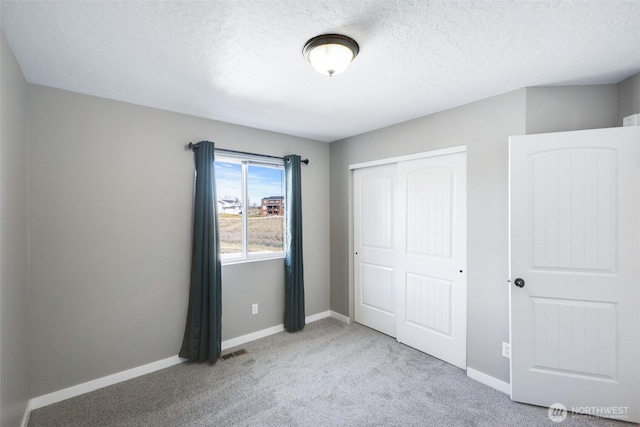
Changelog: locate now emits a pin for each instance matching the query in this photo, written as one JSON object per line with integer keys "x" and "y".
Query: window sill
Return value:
{"x": 279, "y": 255}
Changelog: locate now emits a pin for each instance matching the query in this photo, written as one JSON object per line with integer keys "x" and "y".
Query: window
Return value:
{"x": 250, "y": 192}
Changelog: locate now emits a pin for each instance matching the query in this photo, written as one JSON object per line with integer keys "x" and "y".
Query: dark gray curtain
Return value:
{"x": 203, "y": 333}
{"x": 294, "y": 272}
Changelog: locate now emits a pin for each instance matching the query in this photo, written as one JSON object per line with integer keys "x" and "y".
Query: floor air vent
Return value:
{"x": 233, "y": 354}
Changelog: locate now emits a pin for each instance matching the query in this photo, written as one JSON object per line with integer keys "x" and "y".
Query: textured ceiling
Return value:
{"x": 241, "y": 61}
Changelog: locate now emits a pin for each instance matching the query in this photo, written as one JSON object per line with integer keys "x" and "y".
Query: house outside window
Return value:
{"x": 272, "y": 205}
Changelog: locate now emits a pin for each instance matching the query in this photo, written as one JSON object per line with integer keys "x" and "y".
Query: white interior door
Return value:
{"x": 375, "y": 247}
{"x": 575, "y": 244}
{"x": 431, "y": 266}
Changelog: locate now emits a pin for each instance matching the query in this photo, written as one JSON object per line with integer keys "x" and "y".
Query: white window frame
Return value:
{"x": 245, "y": 160}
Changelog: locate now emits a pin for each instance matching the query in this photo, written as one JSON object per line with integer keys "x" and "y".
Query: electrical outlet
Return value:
{"x": 254, "y": 309}
{"x": 506, "y": 350}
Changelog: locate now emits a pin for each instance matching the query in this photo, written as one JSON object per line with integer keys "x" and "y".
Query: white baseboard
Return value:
{"x": 317, "y": 316}
{"x": 77, "y": 390}
{"x": 234, "y": 342}
{"x": 27, "y": 414}
{"x": 340, "y": 317}
{"x": 489, "y": 380}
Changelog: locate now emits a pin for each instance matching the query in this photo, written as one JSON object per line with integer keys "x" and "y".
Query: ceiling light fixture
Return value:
{"x": 330, "y": 54}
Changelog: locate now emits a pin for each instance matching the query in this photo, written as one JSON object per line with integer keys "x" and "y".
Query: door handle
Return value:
{"x": 519, "y": 282}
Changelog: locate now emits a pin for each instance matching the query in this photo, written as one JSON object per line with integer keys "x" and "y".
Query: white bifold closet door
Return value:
{"x": 410, "y": 253}
{"x": 375, "y": 255}
{"x": 431, "y": 260}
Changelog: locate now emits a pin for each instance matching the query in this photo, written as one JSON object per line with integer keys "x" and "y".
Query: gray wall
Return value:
{"x": 484, "y": 127}
{"x": 566, "y": 108}
{"x": 628, "y": 97}
{"x": 14, "y": 369}
{"x": 110, "y": 198}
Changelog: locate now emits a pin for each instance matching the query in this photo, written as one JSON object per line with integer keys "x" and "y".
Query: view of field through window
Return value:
{"x": 263, "y": 204}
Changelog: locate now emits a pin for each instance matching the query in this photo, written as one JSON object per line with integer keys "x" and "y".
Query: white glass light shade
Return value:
{"x": 330, "y": 54}
{"x": 330, "y": 59}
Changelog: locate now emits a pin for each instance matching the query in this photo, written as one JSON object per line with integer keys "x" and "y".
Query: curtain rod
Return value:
{"x": 192, "y": 146}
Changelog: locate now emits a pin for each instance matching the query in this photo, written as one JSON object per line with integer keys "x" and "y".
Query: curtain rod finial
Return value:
{"x": 305, "y": 161}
